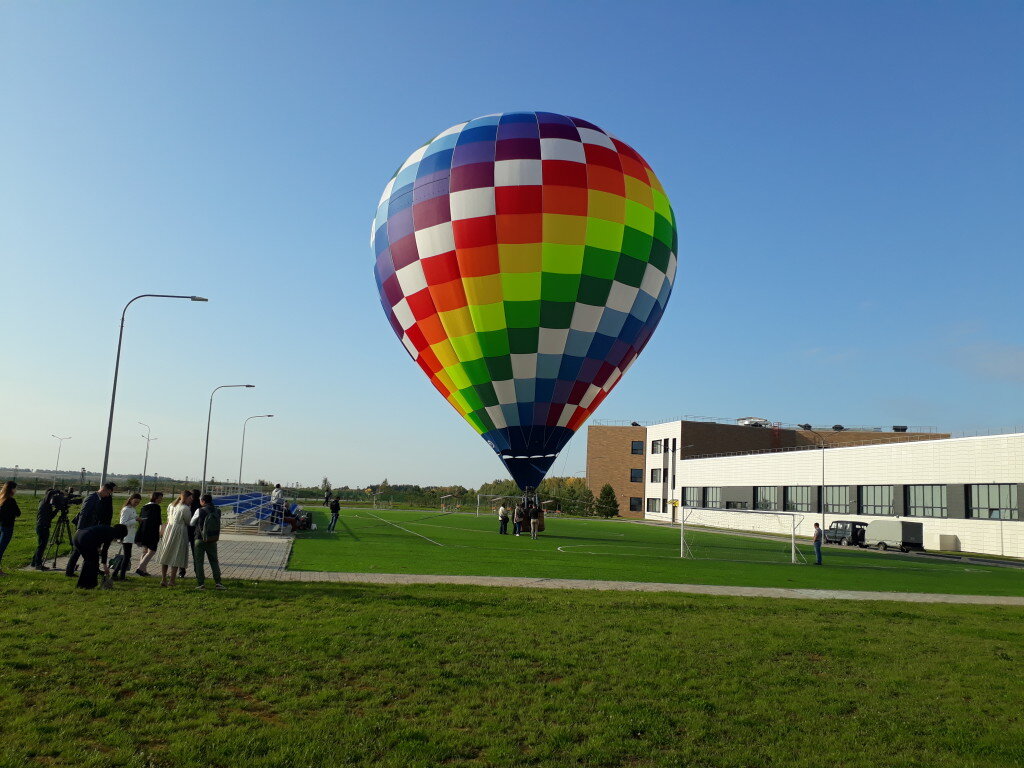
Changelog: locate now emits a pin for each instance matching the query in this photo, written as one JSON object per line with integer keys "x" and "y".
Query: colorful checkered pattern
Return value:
{"x": 524, "y": 260}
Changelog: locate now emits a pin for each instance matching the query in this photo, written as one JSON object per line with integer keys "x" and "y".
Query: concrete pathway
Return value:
{"x": 265, "y": 558}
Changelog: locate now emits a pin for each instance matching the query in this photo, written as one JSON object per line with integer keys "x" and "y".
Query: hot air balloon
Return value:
{"x": 524, "y": 259}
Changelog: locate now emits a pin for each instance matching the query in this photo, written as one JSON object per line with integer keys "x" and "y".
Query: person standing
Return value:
{"x": 148, "y": 534}
{"x": 327, "y": 498}
{"x": 207, "y": 535}
{"x": 517, "y": 520}
{"x": 96, "y": 507}
{"x": 194, "y": 507}
{"x": 44, "y": 517}
{"x": 277, "y": 504}
{"x": 335, "y": 511}
{"x": 9, "y": 511}
{"x": 502, "y": 520}
{"x": 90, "y": 542}
{"x": 172, "y": 554}
{"x": 817, "y": 544}
{"x": 534, "y": 515}
{"x": 130, "y": 520}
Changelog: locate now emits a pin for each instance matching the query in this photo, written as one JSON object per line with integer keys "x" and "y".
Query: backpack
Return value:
{"x": 210, "y": 525}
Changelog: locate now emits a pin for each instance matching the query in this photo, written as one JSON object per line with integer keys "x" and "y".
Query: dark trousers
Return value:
{"x": 517, "y": 528}
{"x": 817, "y": 553}
{"x": 43, "y": 535}
{"x": 334, "y": 521}
{"x": 69, "y": 570}
{"x": 6, "y": 534}
{"x": 503, "y": 525}
{"x": 89, "y": 577}
{"x": 206, "y": 550}
{"x": 126, "y": 561}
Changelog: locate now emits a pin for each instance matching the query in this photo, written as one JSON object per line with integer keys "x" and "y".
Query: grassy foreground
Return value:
{"x": 432, "y": 543}
{"x": 322, "y": 675}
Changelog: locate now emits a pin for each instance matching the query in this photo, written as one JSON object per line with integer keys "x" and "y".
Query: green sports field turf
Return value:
{"x": 432, "y": 543}
{"x": 290, "y": 675}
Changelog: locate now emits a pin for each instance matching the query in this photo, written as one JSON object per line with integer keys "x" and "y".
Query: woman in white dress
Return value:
{"x": 130, "y": 520}
{"x": 172, "y": 553}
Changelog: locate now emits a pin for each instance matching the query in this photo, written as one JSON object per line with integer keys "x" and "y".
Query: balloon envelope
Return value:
{"x": 524, "y": 260}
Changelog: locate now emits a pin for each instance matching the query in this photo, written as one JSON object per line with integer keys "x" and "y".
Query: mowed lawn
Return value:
{"x": 276, "y": 675}
{"x": 432, "y": 543}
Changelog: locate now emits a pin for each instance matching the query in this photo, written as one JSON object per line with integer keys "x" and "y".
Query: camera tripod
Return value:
{"x": 63, "y": 531}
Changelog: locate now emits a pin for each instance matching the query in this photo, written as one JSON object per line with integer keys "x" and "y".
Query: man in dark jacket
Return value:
{"x": 44, "y": 517}
{"x": 335, "y": 507}
{"x": 89, "y": 542}
{"x": 97, "y": 508}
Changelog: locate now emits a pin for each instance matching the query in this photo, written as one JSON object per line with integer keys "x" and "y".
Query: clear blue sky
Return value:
{"x": 847, "y": 178}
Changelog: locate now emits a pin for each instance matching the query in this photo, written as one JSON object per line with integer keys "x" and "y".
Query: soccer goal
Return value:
{"x": 753, "y": 535}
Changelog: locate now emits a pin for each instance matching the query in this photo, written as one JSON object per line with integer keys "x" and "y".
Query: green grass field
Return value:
{"x": 276, "y": 675}
{"x": 432, "y": 543}
{"x": 283, "y": 675}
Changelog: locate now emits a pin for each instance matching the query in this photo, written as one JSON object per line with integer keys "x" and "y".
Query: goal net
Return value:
{"x": 751, "y": 535}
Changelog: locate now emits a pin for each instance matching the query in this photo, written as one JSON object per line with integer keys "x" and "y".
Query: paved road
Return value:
{"x": 265, "y": 558}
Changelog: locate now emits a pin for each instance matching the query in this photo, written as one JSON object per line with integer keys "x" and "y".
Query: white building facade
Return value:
{"x": 967, "y": 492}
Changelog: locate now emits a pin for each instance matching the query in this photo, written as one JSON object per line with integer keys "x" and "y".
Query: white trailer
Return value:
{"x": 894, "y": 534}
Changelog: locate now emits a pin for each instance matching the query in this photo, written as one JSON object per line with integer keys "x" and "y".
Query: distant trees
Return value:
{"x": 325, "y": 485}
{"x": 607, "y": 504}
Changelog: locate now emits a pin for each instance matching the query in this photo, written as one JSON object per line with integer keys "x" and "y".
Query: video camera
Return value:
{"x": 63, "y": 499}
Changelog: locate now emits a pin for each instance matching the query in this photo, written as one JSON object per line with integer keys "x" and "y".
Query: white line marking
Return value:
{"x": 406, "y": 530}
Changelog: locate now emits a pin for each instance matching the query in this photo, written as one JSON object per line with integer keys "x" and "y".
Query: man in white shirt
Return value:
{"x": 502, "y": 520}
{"x": 277, "y": 502}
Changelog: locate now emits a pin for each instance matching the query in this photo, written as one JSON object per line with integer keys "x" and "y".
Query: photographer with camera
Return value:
{"x": 97, "y": 509}
{"x": 52, "y": 502}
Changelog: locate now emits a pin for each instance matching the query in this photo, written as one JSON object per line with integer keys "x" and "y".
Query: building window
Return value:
{"x": 713, "y": 498}
{"x": 691, "y": 496}
{"x": 994, "y": 502}
{"x": 655, "y": 446}
{"x": 798, "y": 498}
{"x": 673, "y": 445}
{"x": 926, "y": 501}
{"x": 655, "y": 475}
{"x": 637, "y": 448}
{"x": 636, "y": 475}
{"x": 766, "y": 497}
{"x": 654, "y": 505}
{"x": 876, "y": 500}
{"x": 636, "y": 504}
{"x": 836, "y": 499}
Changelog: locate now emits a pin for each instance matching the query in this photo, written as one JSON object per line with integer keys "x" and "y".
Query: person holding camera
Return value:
{"x": 90, "y": 542}
{"x": 97, "y": 508}
{"x": 52, "y": 502}
{"x": 9, "y": 510}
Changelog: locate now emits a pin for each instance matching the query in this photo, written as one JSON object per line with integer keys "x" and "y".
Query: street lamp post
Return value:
{"x": 117, "y": 367}
{"x": 60, "y": 444}
{"x": 209, "y": 416}
{"x": 241, "y": 455}
{"x": 145, "y": 462}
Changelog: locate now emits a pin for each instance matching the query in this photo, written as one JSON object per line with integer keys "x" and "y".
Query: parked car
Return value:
{"x": 895, "y": 534}
{"x": 846, "y": 533}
